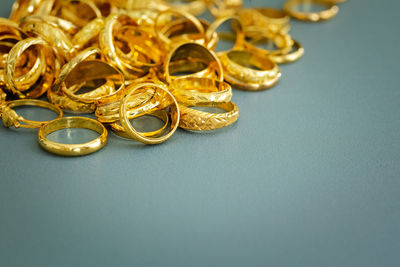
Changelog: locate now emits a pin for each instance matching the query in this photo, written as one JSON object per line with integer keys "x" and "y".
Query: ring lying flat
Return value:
{"x": 239, "y": 72}
{"x": 72, "y": 149}
{"x": 331, "y": 10}
{"x": 11, "y": 118}
{"x": 196, "y": 120}
{"x": 196, "y": 91}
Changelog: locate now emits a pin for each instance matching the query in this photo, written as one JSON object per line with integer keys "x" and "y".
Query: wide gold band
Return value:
{"x": 195, "y": 58}
{"x": 196, "y": 120}
{"x": 198, "y": 91}
{"x": 239, "y": 73}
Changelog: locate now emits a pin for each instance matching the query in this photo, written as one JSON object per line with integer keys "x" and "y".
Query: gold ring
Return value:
{"x": 264, "y": 20}
{"x": 331, "y": 9}
{"x": 161, "y": 114}
{"x": 239, "y": 73}
{"x": 159, "y": 92}
{"x": 289, "y": 50}
{"x": 195, "y": 58}
{"x": 194, "y": 91}
{"x": 194, "y": 7}
{"x": 47, "y": 75}
{"x": 222, "y": 8}
{"x": 164, "y": 32}
{"x": 292, "y": 56}
{"x": 50, "y": 33}
{"x": 79, "y": 13}
{"x": 109, "y": 112}
{"x": 11, "y": 118}
{"x": 238, "y": 27}
{"x": 109, "y": 49}
{"x": 90, "y": 71}
{"x": 89, "y": 34}
{"x": 196, "y": 120}
{"x": 72, "y": 149}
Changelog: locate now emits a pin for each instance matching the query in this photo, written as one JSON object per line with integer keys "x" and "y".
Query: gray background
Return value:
{"x": 309, "y": 176}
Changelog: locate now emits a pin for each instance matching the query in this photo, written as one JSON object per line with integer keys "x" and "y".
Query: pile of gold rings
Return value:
{"x": 121, "y": 60}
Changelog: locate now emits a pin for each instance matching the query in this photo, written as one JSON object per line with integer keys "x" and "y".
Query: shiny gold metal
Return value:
{"x": 79, "y": 12}
{"x": 55, "y": 36}
{"x": 72, "y": 149}
{"x": 194, "y": 7}
{"x": 56, "y": 94}
{"x": 161, "y": 114}
{"x": 222, "y": 8}
{"x": 192, "y": 58}
{"x": 166, "y": 31}
{"x": 11, "y": 118}
{"x": 264, "y": 21}
{"x": 295, "y": 53}
{"x": 331, "y": 9}
{"x": 249, "y": 71}
{"x": 47, "y": 73}
{"x": 88, "y": 35}
{"x": 236, "y": 25}
{"x": 196, "y": 120}
{"x": 109, "y": 112}
{"x": 168, "y": 101}
{"x": 23, "y": 8}
{"x": 138, "y": 48}
{"x": 109, "y": 49}
{"x": 86, "y": 74}
{"x": 193, "y": 91}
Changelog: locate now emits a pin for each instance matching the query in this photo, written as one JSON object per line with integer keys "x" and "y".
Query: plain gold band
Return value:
{"x": 72, "y": 149}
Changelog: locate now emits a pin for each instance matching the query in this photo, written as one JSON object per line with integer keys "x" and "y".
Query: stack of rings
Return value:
{"x": 126, "y": 61}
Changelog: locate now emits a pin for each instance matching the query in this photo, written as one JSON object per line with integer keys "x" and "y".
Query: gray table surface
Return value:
{"x": 309, "y": 176}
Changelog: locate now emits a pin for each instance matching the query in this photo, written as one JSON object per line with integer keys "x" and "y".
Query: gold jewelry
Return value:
{"x": 107, "y": 45}
{"x": 159, "y": 92}
{"x": 164, "y": 32}
{"x": 195, "y": 58}
{"x": 194, "y": 7}
{"x": 144, "y": 51}
{"x": 72, "y": 149}
{"x": 236, "y": 23}
{"x": 193, "y": 91}
{"x": 79, "y": 12}
{"x": 297, "y": 51}
{"x": 161, "y": 114}
{"x": 88, "y": 35}
{"x": 50, "y": 33}
{"x": 47, "y": 74}
{"x": 264, "y": 21}
{"x": 11, "y": 118}
{"x": 239, "y": 73}
{"x": 330, "y": 11}
{"x": 90, "y": 70}
{"x": 288, "y": 51}
{"x": 222, "y": 8}
{"x": 109, "y": 112}
{"x": 196, "y": 120}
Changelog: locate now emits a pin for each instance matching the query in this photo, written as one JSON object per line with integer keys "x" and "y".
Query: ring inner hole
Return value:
{"x": 308, "y": 7}
{"x": 34, "y": 113}
{"x": 72, "y": 136}
{"x": 147, "y": 123}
